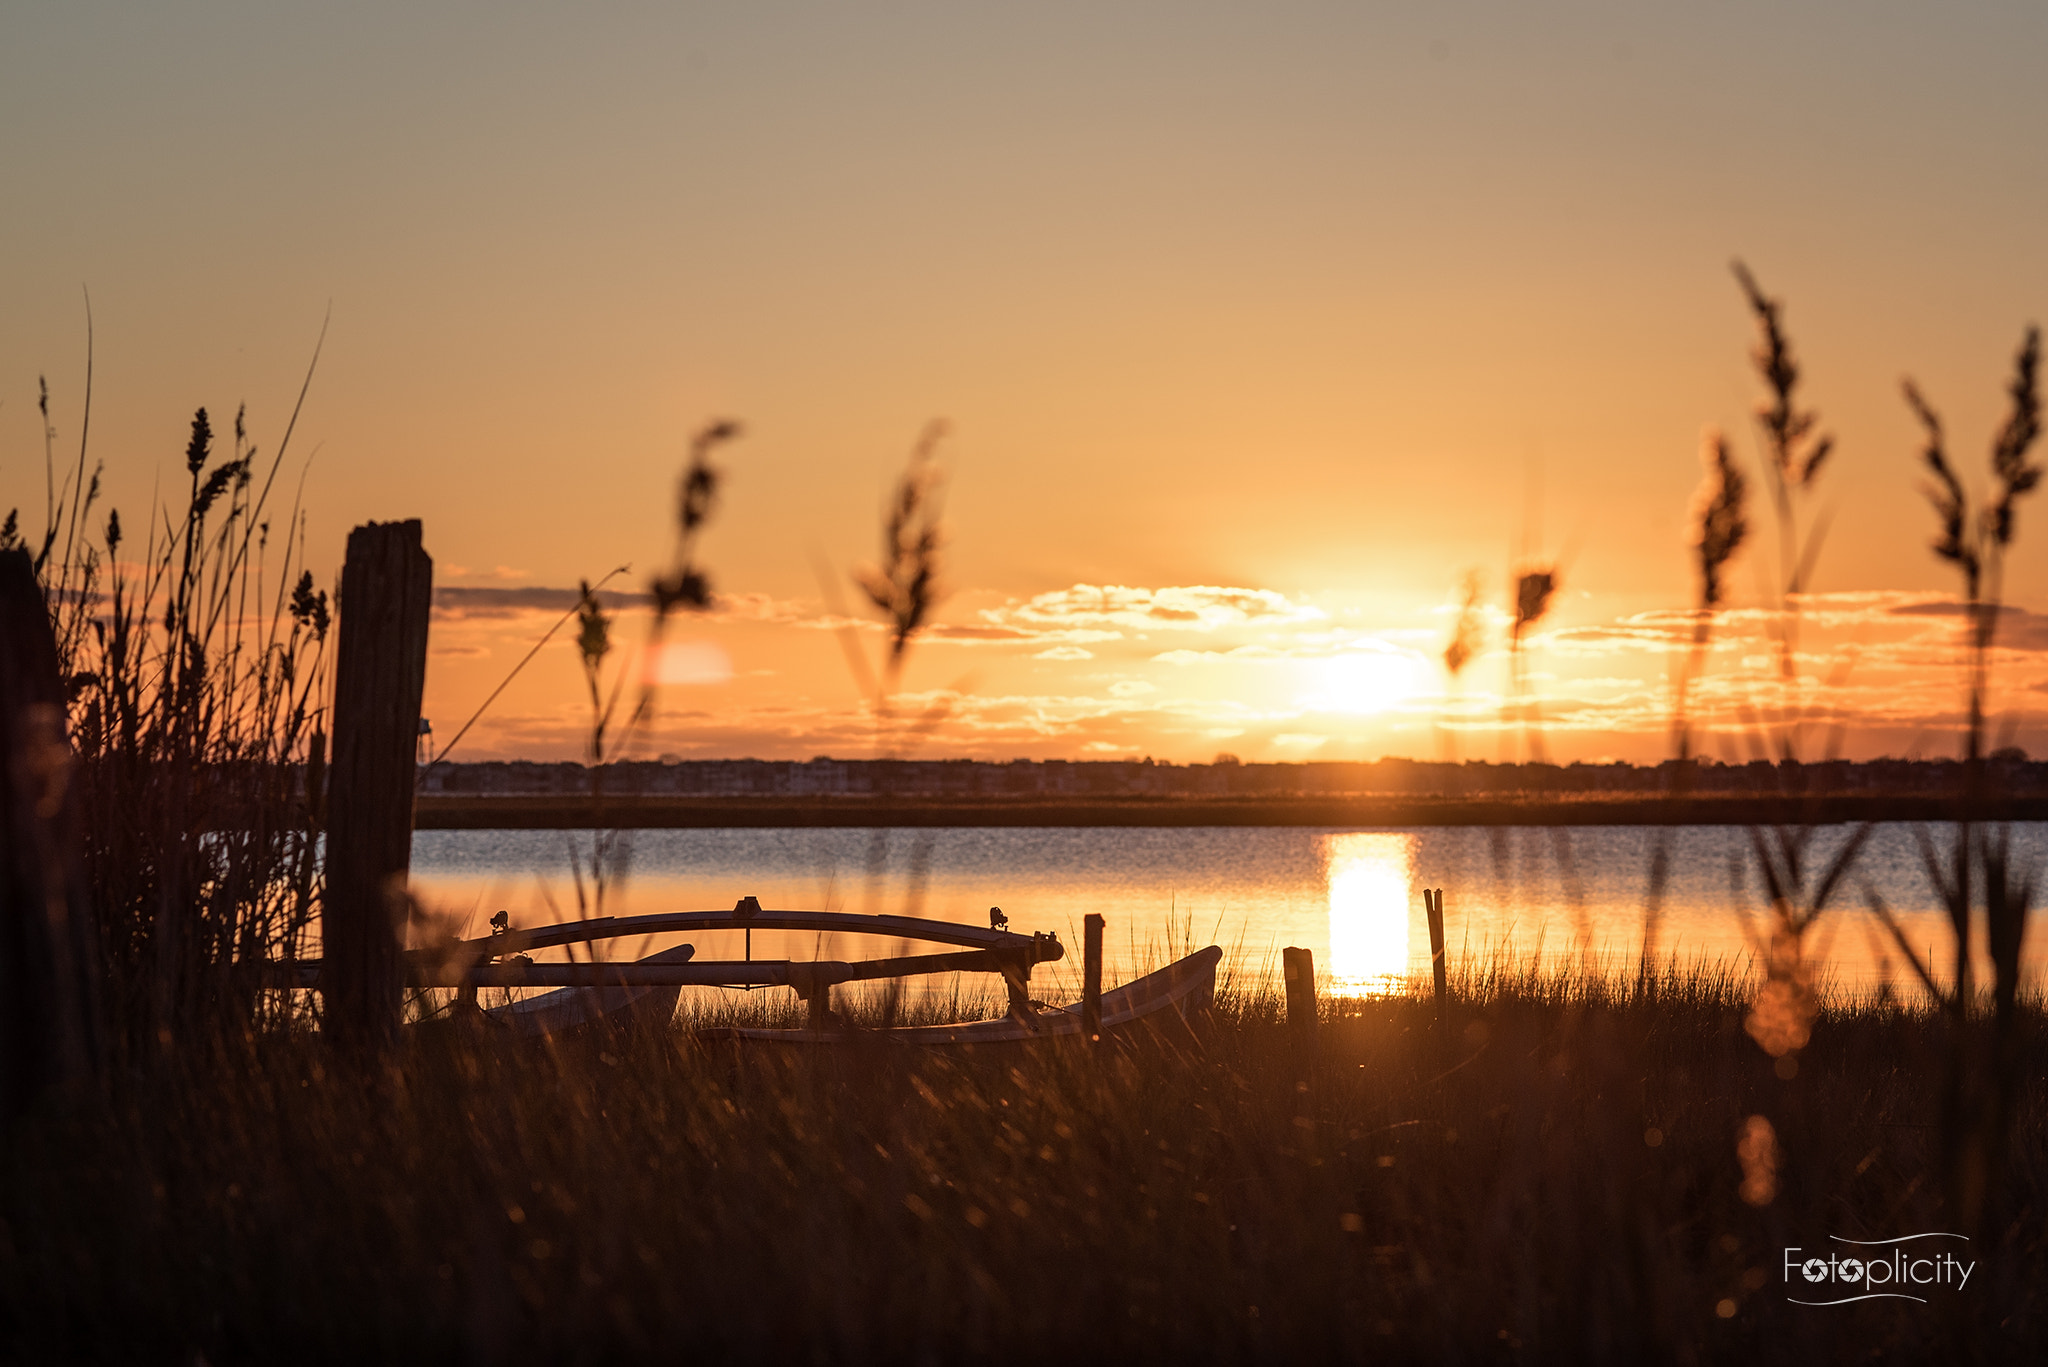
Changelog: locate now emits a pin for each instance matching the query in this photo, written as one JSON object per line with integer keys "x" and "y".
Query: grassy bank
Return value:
{"x": 1556, "y": 1174}
{"x": 458, "y": 812}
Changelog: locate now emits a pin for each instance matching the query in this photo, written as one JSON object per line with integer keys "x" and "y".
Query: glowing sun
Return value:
{"x": 1371, "y": 678}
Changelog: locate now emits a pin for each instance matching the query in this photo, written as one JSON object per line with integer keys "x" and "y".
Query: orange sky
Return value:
{"x": 1265, "y": 316}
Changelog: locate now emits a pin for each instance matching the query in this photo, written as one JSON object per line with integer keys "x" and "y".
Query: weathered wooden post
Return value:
{"x": 387, "y": 588}
{"x": 1091, "y": 978}
{"x": 1298, "y": 969}
{"x": 49, "y": 947}
{"x": 1433, "y": 905}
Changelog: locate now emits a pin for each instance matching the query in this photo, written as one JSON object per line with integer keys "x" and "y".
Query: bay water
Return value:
{"x": 1549, "y": 895}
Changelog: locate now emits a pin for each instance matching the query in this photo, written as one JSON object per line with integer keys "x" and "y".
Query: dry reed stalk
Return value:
{"x": 1798, "y": 881}
{"x": 1977, "y": 546}
{"x": 1721, "y": 525}
{"x": 684, "y": 586}
{"x": 1795, "y": 452}
{"x": 1979, "y": 876}
{"x": 1535, "y": 586}
{"x": 1468, "y": 635}
{"x": 1468, "y": 639}
{"x": 905, "y": 586}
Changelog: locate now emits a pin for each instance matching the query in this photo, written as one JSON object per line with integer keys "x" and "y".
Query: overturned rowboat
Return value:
{"x": 594, "y": 992}
{"x": 568, "y": 1009}
{"x": 1168, "y": 1003}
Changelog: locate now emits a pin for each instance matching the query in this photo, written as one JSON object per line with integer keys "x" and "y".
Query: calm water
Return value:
{"x": 1352, "y": 896}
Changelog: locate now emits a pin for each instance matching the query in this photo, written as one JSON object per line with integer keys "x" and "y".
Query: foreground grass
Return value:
{"x": 1552, "y": 1175}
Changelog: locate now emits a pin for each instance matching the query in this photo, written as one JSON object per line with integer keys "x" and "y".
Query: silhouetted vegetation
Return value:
{"x": 1987, "y": 889}
{"x": 196, "y": 668}
{"x": 1560, "y": 1177}
{"x": 1575, "y": 1163}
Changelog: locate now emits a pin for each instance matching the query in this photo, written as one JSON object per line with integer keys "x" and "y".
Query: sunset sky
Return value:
{"x": 1257, "y": 328}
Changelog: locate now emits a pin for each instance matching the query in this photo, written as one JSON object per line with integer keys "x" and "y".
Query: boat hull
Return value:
{"x": 1170, "y": 1002}
{"x": 574, "y": 1008}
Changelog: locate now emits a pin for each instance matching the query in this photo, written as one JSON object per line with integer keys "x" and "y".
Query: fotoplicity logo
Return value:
{"x": 1878, "y": 1269}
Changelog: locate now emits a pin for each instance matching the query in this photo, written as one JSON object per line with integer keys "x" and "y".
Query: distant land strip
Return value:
{"x": 661, "y": 811}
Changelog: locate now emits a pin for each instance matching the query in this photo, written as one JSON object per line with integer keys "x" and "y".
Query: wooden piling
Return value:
{"x": 1298, "y": 968}
{"x": 387, "y": 586}
{"x": 1433, "y": 905}
{"x": 49, "y": 946}
{"x": 1091, "y": 978}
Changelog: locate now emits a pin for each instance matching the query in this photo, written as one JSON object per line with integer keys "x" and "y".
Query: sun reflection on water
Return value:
{"x": 1369, "y": 876}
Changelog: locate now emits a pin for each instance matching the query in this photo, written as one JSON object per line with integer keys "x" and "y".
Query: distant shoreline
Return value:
{"x": 448, "y": 812}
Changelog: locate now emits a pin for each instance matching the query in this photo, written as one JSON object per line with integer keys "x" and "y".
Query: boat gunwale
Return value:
{"x": 684, "y": 922}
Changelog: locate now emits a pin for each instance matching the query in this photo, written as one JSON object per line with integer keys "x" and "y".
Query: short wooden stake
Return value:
{"x": 1433, "y": 904}
{"x": 1091, "y": 978}
{"x": 387, "y": 589}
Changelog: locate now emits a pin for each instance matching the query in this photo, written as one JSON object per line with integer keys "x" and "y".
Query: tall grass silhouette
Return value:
{"x": 1797, "y": 883}
{"x": 196, "y": 667}
{"x": 683, "y": 586}
{"x": 1986, "y": 888}
{"x": 904, "y": 586}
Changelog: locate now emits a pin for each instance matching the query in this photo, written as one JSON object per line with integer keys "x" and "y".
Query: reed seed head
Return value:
{"x": 1786, "y": 426}
{"x": 308, "y": 608}
{"x": 700, "y": 477}
{"x": 593, "y": 628}
{"x": 201, "y": 446}
{"x": 686, "y": 585}
{"x": 1533, "y": 591}
{"x": 905, "y": 586}
{"x": 1469, "y": 634}
{"x": 1945, "y": 493}
{"x": 2009, "y": 453}
{"x": 233, "y": 475}
{"x": 1722, "y": 522}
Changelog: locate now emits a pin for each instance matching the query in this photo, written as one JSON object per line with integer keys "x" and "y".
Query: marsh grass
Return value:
{"x": 1986, "y": 889}
{"x": 194, "y": 659}
{"x": 1800, "y": 886}
{"x": 1555, "y": 1175}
